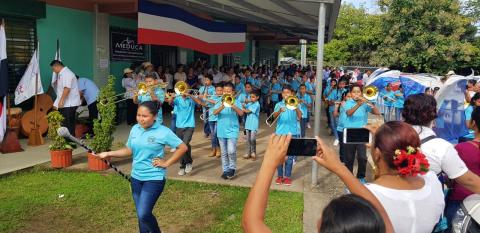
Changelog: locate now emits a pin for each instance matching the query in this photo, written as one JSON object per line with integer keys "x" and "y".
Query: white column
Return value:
{"x": 319, "y": 72}
{"x": 303, "y": 52}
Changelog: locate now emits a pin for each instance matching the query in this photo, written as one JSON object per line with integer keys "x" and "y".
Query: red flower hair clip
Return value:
{"x": 410, "y": 162}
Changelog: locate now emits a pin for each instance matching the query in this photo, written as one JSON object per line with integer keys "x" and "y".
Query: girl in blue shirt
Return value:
{"x": 388, "y": 100}
{"x": 252, "y": 110}
{"x": 227, "y": 132}
{"x": 153, "y": 94}
{"x": 146, "y": 144}
{"x": 287, "y": 123}
{"x": 357, "y": 110}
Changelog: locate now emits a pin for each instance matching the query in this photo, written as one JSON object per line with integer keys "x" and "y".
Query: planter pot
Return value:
{"x": 80, "y": 130}
{"x": 61, "y": 158}
{"x": 96, "y": 164}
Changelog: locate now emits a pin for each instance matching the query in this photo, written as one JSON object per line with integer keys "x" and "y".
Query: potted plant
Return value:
{"x": 60, "y": 148}
{"x": 103, "y": 127}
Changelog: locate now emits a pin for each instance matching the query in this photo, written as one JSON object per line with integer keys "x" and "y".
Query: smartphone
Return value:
{"x": 302, "y": 147}
{"x": 356, "y": 136}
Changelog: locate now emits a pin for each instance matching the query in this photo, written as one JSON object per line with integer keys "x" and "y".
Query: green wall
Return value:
{"x": 116, "y": 67}
{"x": 245, "y": 54}
{"x": 74, "y": 29}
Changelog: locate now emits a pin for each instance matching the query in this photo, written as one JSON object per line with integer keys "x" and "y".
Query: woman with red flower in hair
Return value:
{"x": 411, "y": 195}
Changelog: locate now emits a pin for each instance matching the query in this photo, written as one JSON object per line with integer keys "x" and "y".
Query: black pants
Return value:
{"x": 92, "y": 115}
{"x": 131, "y": 112}
{"x": 350, "y": 150}
{"x": 69, "y": 113}
{"x": 186, "y": 135}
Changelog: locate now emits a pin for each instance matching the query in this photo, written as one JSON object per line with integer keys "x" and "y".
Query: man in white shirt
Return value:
{"x": 68, "y": 95}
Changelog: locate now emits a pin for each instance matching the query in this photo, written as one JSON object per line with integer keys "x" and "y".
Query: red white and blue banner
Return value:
{"x": 163, "y": 24}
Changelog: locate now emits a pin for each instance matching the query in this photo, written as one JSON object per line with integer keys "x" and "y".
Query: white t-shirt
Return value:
{"x": 180, "y": 77}
{"x": 441, "y": 154}
{"x": 412, "y": 211}
{"x": 217, "y": 78}
{"x": 66, "y": 78}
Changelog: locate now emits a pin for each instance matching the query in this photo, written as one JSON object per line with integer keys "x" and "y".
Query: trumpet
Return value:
{"x": 291, "y": 103}
{"x": 228, "y": 100}
{"x": 182, "y": 87}
{"x": 142, "y": 89}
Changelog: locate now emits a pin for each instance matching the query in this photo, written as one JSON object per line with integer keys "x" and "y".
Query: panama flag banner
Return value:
{"x": 162, "y": 24}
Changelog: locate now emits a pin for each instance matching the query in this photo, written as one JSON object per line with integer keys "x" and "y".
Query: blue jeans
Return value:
{"x": 228, "y": 147}
{"x": 333, "y": 124}
{"x": 398, "y": 114}
{"x": 213, "y": 131}
{"x": 303, "y": 126}
{"x": 145, "y": 195}
{"x": 173, "y": 123}
{"x": 206, "y": 125}
{"x": 285, "y": 170}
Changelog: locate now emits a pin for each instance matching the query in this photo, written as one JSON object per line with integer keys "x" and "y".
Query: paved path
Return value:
{"x": 208, "y": 169}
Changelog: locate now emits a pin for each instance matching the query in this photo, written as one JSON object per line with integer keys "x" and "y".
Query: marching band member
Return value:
{"x": 154, "y": 94}
{"x": 227, "y": 132}
{"x": 305, "y": 103}
{"x": 184, "y": 107}
{"x": 357, "y": 110}
{"x": 287, "y": 123}
{"x": 146, "y": 144}
{"x": 252, "y": 110}
{"x": 205, "y": 90}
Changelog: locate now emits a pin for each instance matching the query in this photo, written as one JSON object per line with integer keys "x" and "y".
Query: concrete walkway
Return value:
{"x": 208, "y": 170}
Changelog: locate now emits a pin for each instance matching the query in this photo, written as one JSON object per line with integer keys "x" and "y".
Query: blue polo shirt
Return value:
{"x": 359, "y": 118}
{"x": 303, "y": 106}
{"x": 240, "y": 88}
{"x": 275, "y": 96}
{"x": 210, "y": 90}
{"x": 287, "y": 121}
{"x": 161, "y": 97}
{"x": 147, "y": 144}
{"x": 89, "y": 89}
{"x": 211, "y": 116}
{"x": 342, "y": 117}
{"x": 400, "y": 99}
{"x": 227, "y": 123}
{"x": 390, "y": 97}
{"x": 252, "y": 118}
{"x": 184, "y": 108}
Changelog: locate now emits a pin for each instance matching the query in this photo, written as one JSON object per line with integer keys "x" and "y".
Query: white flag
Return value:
{"x": 26, "y": 86}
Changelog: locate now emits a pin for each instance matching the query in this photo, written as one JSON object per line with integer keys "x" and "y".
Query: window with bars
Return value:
{"x": 21, "y": 36}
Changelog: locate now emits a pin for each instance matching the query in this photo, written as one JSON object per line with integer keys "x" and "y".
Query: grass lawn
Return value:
{"x": 93, "y": 202}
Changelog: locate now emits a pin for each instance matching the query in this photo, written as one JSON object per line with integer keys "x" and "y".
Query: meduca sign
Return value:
{"x": 124, "y": 47}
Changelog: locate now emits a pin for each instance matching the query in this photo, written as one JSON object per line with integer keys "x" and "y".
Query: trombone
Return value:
{"x": 291, "y": 103}
{"x": 182, "y": 87}
{"x": 142, "y": 89}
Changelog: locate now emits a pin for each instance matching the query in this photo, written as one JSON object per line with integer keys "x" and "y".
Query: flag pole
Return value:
{"x": 35, "y": 138}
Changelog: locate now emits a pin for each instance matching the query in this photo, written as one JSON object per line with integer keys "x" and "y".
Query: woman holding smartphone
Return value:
{"x": 357, "y": 110}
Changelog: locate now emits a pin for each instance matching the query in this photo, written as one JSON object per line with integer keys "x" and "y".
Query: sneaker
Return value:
{"x": 224, "y": 175}
{"x": 363, "y": 180}
{"x": 336, "y": 142}
{"x": 188, "y": 168}
{"x": 181, "y": 172}
{"x": 246, "y": 156}
{"x": 287, "y": 181}
{"x": 253, "y": 157}
{"x": 231, "y": 174}
{"x": 279, "y": 180}
{"x": 173, "y": 150}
